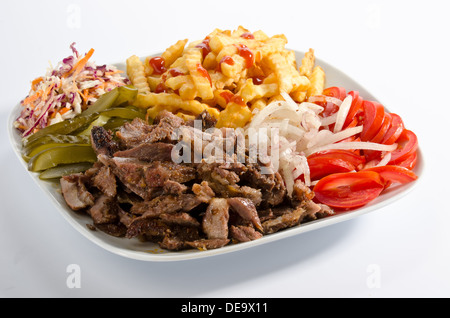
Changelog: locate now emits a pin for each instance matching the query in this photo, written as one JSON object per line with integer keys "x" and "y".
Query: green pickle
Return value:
{"x": 41, "y": 148}
{"x": 127, "y": 95}
{"x": 54, "y": 139}
{"x": 64, "y": 170}
{"x": 129, "y": 112}
{"x": 100, "y": 121}
{"x": 63, "y": 154}
{"x": 115, "y": 123}
{"x": 114, "y": 98}
{"x": 62, "y": 128}
{"x": 65, "y": 146}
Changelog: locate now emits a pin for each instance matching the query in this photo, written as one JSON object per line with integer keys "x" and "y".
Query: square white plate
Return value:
{"x": 146, "y": 251}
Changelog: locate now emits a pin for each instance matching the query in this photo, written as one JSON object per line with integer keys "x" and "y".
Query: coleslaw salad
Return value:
{"x": 66, "y": 90}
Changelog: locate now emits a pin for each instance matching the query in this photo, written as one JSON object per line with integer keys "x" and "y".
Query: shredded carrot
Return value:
{"x": 80, "y": 64}
{"x": 36, "y": 82}
{"x": 102, "y": 86}
{"x": 64, "y": 110}
{"x": 47, "y": 91}
{"x": 112, "y": 73}
{"x": 81, "y": 94}
{"x": 31, "y": 99}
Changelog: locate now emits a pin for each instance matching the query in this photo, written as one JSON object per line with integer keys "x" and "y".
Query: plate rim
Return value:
{"x": 401, "y": 191}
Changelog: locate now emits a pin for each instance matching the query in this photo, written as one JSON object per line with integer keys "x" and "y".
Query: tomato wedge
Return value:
{"x": 337, "y": 92}
{"x": 395, "y": 130}
{"x": 349, "y": 190}
{"x": 371, "y": 154}
{"x": 407, "y": 145}
{"x": 346, "y": 155}
{"x": 329, "y": 109}
{"x": 394, "y": 174}
{"x": 320, "y": 167}
{"x": 409, "y": 162}
{"x": 355, "y": 108}
{"x": 373, "y": 119}
{"x": 383, "y": 129}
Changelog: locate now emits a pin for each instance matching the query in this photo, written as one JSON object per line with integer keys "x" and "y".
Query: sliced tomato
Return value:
{"x": 409, "y": 162}
{"x": 383, "y": 129}
{"x": 329, "y": 109}
{"x": 346, "y": 155}
{"x": 355, "y": 109}
{"x": 373, "y": 119}
{"x": 394, "y": 174}
{"x": 320, "y": 167}
{"x": 337, "y": 92}
{"x": 395, "y": 130}
{"x": 372, "y": 154}
{"x": 353, "y": 123}
{"x": 407, "y": 145}
{"x": 349, "y": 190}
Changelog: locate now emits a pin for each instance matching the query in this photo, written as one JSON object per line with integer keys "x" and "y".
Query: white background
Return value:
{"x": 398, "y": 50}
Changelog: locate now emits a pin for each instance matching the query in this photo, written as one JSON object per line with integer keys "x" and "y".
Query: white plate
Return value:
{"x": 145, "y": 251}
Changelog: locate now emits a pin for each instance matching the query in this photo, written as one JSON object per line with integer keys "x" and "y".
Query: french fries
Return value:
{"x": 230, "y": 74}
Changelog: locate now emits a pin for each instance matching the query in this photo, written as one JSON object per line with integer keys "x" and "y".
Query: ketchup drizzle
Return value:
{"x": 158, "y": 64}
{"x": 257, "y": 80}
{"x": 204, "y": 73}
{"x": 227, "y": 96}
{"x": 248, "y": 36}
{"x": 247, "y": 54}
{"x": 174, "y": 72}
{"x": 238, "y": 100}
{"x": 204, "y": 46}
{"x": 160, "y": 88}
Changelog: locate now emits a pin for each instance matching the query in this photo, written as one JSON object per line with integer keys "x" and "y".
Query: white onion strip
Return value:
{"x": 385, "y": 160}
{"x": 342, "y": 113}
{"x": 329, "y": 120}
{"x": 332, "y": 138}
{"x": 320, "y": 98}
{"x": 363, "y": 145}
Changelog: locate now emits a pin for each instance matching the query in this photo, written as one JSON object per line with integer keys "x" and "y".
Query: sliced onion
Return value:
{"x": 320, "y": 98}
{"x": 282, "y": 109}
{"x": 363, "y": 145}
{"x": 289, "y": 100}
{"x": 311, "y": 106}
{"x": 332, "y": 138}
{"x": 319, "y": 138}
{"x": 287, "y": 130}
{"x": 329, "y": 120}
{"x": 385, "y": 160}
{"x": 342, "y": 113}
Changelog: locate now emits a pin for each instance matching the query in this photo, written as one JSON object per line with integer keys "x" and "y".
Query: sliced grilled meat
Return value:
{"x": 75, "y": 192}
{"x": 104, "y": 210}
{"x": 143, "y": 177}
{"x": 105, "y": 181}
{"x": 139, "y": 132}
{"x": 288, "y": 217}
{"x": 102, "y": 141}
{"x": 247, "y": 210}
{"x": 158, "y": 151}
{"x": 215, "y": 220}
{"x": 243, "y": 233}
{"x": 207, "y": 244}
